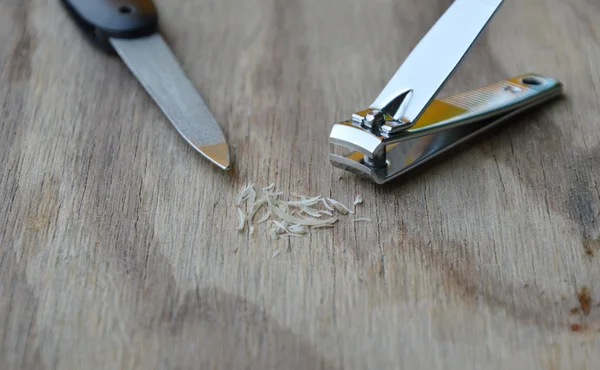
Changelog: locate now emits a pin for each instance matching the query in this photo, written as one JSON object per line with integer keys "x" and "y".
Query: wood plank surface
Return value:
{"x": 118, "y": 243}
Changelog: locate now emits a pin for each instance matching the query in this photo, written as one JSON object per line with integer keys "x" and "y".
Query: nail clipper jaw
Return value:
{"x": 364, "y": 136}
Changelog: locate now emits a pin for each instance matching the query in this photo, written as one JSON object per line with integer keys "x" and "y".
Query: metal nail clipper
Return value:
{"x": 407, "y": 126}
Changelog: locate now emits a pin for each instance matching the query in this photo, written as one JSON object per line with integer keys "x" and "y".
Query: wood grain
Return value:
{"x": 118, "y": 243}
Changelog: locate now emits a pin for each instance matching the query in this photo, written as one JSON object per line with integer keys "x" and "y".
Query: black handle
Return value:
{"x": 104, "y": 19}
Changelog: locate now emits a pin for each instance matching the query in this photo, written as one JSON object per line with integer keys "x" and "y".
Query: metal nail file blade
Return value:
{"x": 154, "y": 65}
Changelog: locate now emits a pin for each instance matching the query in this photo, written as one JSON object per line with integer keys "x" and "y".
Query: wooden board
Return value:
{"x": 118, "y": 243}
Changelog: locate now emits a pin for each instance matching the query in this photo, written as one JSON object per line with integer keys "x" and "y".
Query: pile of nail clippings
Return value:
{"x": 288, "y": 218}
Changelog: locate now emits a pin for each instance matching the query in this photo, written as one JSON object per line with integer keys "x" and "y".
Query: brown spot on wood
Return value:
{"x": 590, "y": 246}
{"x": 37, "y": 223}
{"x": 42, "y": 204}
{"x": 585, "y": 300}
{"x": 576, "y": 328}
{"x": 574, "y": 310}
